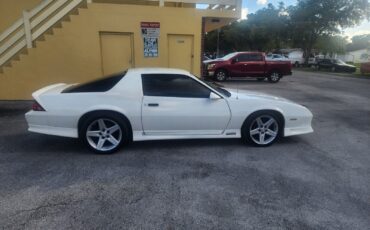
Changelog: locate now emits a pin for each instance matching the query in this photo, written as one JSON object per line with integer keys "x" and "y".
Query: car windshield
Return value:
{"x": 338, "y": 61}
{"x": 227, "y": 57}
{"x": 218, "y": 88}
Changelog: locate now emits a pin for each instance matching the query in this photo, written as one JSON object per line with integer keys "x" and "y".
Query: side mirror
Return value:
{"x": 214, "y": 96}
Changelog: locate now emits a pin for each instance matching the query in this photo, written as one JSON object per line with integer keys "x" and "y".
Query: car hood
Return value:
{"x": 218, "y": 60}
{"x": 247, "y": 94}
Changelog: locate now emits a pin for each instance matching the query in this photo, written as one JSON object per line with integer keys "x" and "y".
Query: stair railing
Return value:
{"x": 32, "y": 25}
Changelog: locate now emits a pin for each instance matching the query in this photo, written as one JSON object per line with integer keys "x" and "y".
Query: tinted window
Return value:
{"x": 173, "y": 85}
{"x": 249, "y": 57}
{"x": 100, "y": 85}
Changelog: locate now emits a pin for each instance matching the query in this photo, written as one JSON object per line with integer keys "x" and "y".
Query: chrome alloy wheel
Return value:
{"x": 264, "y": 130}
{"x": 104, "y": 134}
{"x": 221, "y": 76}
{"x": 275, "y": 77}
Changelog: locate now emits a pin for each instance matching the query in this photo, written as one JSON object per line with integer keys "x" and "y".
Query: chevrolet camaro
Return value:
{"x": 158, "y": 103}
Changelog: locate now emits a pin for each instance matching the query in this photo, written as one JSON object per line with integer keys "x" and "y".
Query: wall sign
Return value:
{"x": 150, "y": 32}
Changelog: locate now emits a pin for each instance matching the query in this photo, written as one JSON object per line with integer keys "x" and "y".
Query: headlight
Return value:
{"x": 210, "y": 66}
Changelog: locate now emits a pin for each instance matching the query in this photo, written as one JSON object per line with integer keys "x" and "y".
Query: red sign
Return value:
{"x": 150, "y": 25}
{"x": 150, "y": 29}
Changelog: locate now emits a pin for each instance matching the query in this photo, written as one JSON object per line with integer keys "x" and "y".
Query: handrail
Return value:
{"x": 32, "y": 25}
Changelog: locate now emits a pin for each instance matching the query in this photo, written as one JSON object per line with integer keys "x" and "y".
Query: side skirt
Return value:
{"x": 140, "y": 136}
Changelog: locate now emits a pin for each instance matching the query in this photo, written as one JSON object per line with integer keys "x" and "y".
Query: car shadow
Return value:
{"x": 52, "y": 145}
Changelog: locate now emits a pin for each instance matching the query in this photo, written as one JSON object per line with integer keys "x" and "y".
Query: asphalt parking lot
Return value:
{"x": 314, "y": 181}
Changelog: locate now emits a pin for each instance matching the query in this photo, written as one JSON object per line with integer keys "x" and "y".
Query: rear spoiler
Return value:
{"x": 56, "y": 88}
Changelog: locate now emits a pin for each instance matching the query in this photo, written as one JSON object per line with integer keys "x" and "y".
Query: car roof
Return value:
{"x": 154, "y": 70}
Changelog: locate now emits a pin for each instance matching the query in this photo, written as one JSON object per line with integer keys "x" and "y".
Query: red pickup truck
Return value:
{"x": 247, "y": 64}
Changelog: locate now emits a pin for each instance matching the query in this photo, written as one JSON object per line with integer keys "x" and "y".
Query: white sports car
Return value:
{"x": 158, "y": 103}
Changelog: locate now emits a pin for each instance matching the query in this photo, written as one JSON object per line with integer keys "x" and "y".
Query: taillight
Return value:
{"x": 37, "y": 107}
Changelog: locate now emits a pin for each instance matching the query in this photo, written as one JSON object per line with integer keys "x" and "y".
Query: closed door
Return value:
{"x": 255, "y": 65}
{"x": 180, "y": 52}
{"x": 179, "y": 105}
{"x": 117, "y": 52}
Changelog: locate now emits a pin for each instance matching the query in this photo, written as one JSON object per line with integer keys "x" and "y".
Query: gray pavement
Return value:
{"x": 314, "y": 181}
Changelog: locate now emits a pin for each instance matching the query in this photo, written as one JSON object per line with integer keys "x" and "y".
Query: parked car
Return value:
{"x": 296, "y": 58}
{"x": 276, "y": 57}
{"x": 156, "y": 104}
{"x": 248, "y": 64}
{"x": 365, "y": 68}
{"x": 312, "y": 61}
{"x": 336, "y": 65}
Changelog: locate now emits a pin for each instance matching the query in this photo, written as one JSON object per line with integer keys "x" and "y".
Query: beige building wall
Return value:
{"x": 11, "y": 10}
{"x": 73, "y": 53}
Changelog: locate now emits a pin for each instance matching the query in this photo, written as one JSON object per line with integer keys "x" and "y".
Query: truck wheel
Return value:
{"x": 221, "y": 75}
{"x": 274, "y": 77}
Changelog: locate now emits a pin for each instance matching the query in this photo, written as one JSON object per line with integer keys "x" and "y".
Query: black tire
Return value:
{"x": 260, "y": 79}
{"x": 221, "y": 75}
{"x": 109, "y": 119}
{"x": 249, "y": 126}
{"x": 274, "y": 77}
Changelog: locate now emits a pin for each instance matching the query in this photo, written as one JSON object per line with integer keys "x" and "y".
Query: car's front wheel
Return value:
{"x": 221, "y": 75}
{"x": 104, "y": 134}
{"x": 262, "y": 129}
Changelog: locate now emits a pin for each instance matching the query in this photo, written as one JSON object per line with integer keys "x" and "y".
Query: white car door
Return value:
{"x": 179, "y": 105}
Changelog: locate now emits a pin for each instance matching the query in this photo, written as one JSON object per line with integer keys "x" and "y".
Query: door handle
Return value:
{"x": 153, "y": 104}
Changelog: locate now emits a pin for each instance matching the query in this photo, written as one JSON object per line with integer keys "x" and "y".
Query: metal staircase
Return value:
{"x": 33, "y": 25}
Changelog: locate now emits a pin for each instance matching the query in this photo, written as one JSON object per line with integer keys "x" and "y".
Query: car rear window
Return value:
{"x": 100, "y": 85}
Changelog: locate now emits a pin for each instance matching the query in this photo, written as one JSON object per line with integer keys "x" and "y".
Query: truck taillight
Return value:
{"x": 37, "y": 107}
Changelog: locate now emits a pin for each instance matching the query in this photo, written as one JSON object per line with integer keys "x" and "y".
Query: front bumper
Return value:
{"x": 210, "y": 73}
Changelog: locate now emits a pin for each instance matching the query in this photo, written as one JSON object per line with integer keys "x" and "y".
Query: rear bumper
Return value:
{"x": 38, "y": 122}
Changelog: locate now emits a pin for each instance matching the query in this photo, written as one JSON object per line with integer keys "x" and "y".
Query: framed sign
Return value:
{"x": 150, "y": 47}
{"x": 150, "y": 32}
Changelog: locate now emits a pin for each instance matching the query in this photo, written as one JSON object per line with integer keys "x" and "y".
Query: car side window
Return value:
{"x": 173, "y": 85}
{"x": 250, "y": 57}
{"x": 256, "y": 57}
{"x": 243, "y": 58}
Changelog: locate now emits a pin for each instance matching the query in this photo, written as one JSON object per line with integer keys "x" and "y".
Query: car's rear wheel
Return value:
{"x": 262, "y": 129}
{"x": 274, "y": 77}
{"x": 221, "y": 75}
{"x": 104, "y": 134}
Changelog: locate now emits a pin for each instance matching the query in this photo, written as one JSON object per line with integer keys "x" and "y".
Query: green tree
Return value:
{"x": 311, "y": 19}
{"x": 329, "y": 44}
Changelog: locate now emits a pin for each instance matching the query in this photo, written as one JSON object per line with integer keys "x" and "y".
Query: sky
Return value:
{"x": 251, "y": 6}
